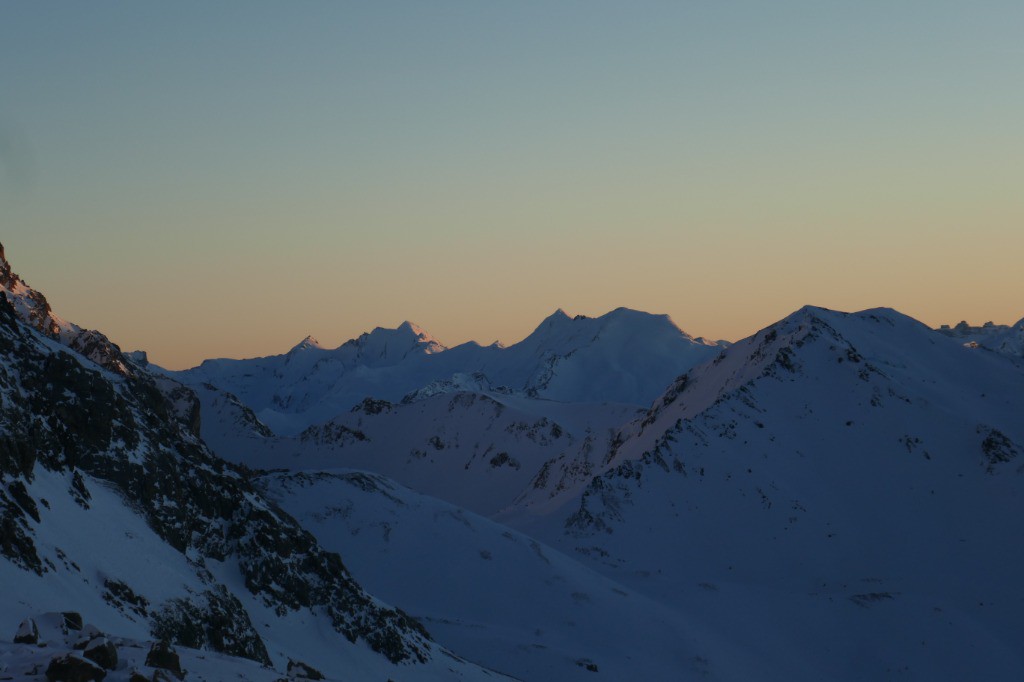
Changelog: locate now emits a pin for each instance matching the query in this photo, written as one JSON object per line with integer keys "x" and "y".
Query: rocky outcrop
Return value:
{"x": 163, "y": 656}
{"x": 33, "y": 308}
{"x": 300, "y": 671}
{"x": 64, "y": 415}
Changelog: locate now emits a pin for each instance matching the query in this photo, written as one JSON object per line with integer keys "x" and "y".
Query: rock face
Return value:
{"x": 74, "y": 427}
{"x": 34, "y": 309}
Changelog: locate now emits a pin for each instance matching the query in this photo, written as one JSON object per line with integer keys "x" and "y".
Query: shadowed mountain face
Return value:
{"x": 624, "y": 356}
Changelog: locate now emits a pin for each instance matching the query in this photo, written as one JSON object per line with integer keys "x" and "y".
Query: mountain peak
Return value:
{"x": 414, "y": 329}
{"x": 34, "y": 310}
{"x": 556, "y": 317}
{"x": 307, "y": 343}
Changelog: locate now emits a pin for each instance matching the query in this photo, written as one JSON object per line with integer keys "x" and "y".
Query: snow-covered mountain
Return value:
{"x": 837, "y": 497}
{"x": 110, "y": 505}
{"x": 1006, "y": 339}
{"x": 474, "y": 450}
{"x": 624, "y": 356}
{"x": 843, "y": 492}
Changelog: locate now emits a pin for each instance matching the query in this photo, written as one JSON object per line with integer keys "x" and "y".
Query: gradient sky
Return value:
{"x": 221, "y": 179}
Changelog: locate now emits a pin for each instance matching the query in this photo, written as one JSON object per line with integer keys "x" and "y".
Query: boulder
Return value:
{"x": 71, "y": 668}
{"x": 88, "y": 633}
{"x": 28, "y": 632}
{"x": 162, "y": 655}
{"x": 101, "y": 651}
{"x": 72, "y": 620}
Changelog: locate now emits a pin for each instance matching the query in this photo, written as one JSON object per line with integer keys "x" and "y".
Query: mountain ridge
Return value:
{"x": 624, "y": 356}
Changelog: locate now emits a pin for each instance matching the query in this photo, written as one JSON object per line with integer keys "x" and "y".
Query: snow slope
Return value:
{"x": 846, "y": 490}
{"x": 475, "y": 450}
{"x": 500, "y": 597}
{"x": 624, "y": 356}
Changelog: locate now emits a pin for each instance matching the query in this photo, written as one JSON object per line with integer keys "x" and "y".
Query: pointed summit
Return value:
{"x": 558, "y": 316}
{"x": 555, "y": 320}
{"x": 306, "y": 344}
{"x": 408, "y": 327}
{"x": 421, "y": 337}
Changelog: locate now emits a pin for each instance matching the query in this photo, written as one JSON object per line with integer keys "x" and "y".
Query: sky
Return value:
{"x": 221, "y": 179}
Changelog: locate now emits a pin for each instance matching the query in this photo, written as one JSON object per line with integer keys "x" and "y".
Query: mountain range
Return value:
{"x": 837, "y": 496}
{"x": 624, "y": 356}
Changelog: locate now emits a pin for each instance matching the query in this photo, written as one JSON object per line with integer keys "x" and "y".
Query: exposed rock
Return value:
{"x": 101, "y": 651}
{"x": 117, "y": 593}
{"x": 162, "y": 655}
{"x": 28, "y": 632}
{"x": 72, "y": 620}
{"x": 214, "y": 620}
{"x": 71, "y": 668}
{"x": 64, "y": 416}
{"x": 300, "y": 671}
{"x": 86, "y": 636}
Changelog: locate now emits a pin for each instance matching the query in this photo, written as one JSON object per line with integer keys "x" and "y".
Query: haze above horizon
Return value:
{"x": 221, "y": 180}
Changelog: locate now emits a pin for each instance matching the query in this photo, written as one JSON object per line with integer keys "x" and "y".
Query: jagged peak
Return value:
{"x": 33, "y": 309}
{"x": 307, "y": 343}
{"x": 403, "y": 338}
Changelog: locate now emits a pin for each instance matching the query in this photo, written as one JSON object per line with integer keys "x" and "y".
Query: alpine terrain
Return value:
{"x": 839, "y": 496}
{"x": 115, "y": 513}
